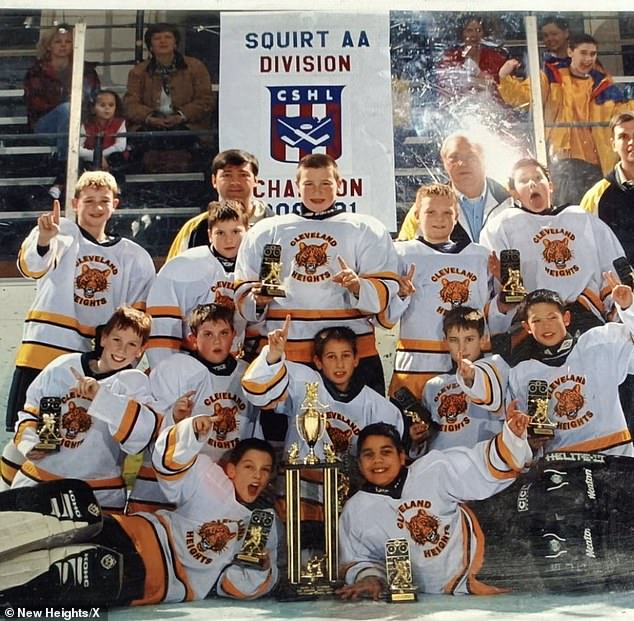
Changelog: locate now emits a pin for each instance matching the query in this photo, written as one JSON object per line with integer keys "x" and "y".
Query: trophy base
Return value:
{"x": 512, "y": 298}
{"x": 49, "y": 447}
{"x": 402, "y": 596}
{"x": 249, "y": 560}
{"x": 306, "y": 591}
{"x": 274, "y": 291}
{"x": 543, "y": 431}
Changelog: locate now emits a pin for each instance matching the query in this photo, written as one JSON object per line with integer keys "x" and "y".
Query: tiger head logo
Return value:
{"x": 451, "y": 406}
{"x": 454, "y": 292}
{"x": 340, "y": 438}
{"x": 569, "y": 402}
{"x": 311, "y": 256}
{"x": 214, "y": 537}
{"x": 556, "y": 251}
{"x": 92, "y": 280}
{"x": 75, "y": 421}
{"x": 227, "y": 422}
{"x": 223, "y": 300}
{"x": 423, "y": 528}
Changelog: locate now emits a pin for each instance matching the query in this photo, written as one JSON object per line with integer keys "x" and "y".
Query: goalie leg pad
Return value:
{"x": 73, "y": 575}
{"x": 47, "y": 515}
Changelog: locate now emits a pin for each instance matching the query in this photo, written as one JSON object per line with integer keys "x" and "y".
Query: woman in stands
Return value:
{"x": 168, "y": 91}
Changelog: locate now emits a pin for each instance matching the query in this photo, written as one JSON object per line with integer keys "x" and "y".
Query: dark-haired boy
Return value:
{"x": 106, "y": 412}
{"x": 206, "y": 381}
{"x": 170, "y": 556}
{"x": 200, "y": 275}
{"x": 425, "y": 505}
{"x": 461, "y": 420}
{"x": 338, "y": 269}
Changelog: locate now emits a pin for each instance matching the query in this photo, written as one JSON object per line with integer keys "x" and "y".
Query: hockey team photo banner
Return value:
{"x": 295, "y": 83}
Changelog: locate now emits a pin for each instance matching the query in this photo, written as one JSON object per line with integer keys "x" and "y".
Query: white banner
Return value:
{"x": 293, "y": 83}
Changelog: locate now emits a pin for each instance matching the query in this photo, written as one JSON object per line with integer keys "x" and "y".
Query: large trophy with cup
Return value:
{"x": 318, "y": 575}
{"x": 540, "y": 424}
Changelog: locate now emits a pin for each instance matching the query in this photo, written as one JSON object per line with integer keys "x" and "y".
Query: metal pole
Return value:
{"x": 534, "y": 72}
{"x": 76, "y": 95}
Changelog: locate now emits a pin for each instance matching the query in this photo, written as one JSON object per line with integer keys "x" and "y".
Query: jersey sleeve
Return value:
{"x": 244, "y": 583}
{"x": 265, "y": 384}
{"x": 26, "y": 437}
{"x": 489, "y": 384}
{"x": 31, "y": 264}
{"x": 125, "y": 406}
{"x": 357, "y": 558}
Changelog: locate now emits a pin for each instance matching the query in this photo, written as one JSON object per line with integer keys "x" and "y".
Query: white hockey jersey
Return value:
{"x": 442, "y": 281}
{"x": 80, "y": 284}
{"x": 194, "y": 277}
{"x": 583, "y": 391}
{"x": 190, "y": 550}
{"x": 95, "y": 435}
{"x": 567, "y": 252}
{"x": 218, "y": 392}
{"x": 267, "y": 384}
{"x": 310, "y": 247}
{"x": 445, "y": 540}
{"x": 461, "y": 422}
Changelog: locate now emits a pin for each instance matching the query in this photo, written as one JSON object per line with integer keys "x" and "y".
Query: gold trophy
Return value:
{"x": 311, "y": 423}
{"x": 539, "y": 425}
{"x": 398, "y": 566}
{"x": 253, "y": 550}
{"x": 271, "y": 272}
{"x": 319, "y": 575}
{"x": 48, "y": 427}
{"x": 513, "y": 290}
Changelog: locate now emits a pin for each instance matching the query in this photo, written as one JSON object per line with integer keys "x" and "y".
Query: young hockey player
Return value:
{"x": 197, "y": 276}
{"x": 424, "y": 505}
{"x": 338, "y": 269}
{"x": 83, "y": 275}
{"x": 169, "y": 556}
{"x": 437, "y": 275}
{"x": 560, "y": 247}
{"x": 204, "y": 382}
{"x": 106, "y": 412}
{"x": 460, "y": 420}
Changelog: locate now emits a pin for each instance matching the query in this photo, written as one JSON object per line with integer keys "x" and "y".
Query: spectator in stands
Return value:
{"x": 168, "y": 92}
{"x": 555, "y": 34}
{"x": 47, "y": 85}
{"x": 234, "y": 175}
{"x": 100, "y": 145}
{"x": 578, "y": 93}
{"x": 479, "y": 197}
{"x": 480, "y": 62}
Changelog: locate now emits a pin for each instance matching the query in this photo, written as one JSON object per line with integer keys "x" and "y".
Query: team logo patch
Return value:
{"x": 227, "y": 422}
{"x": 454, "y": 292}
{"x": 557, "y": 251}
{"x": 451, "y": 406}
{"x": 212, "y": 538}
{"x": 75, "y": 421}
{"x": 223, "y": 300}
{"x": 311, "y": 256}
{"x": 92, "y": 281}
{"x": 423, "y": 527}
{"x": 340, "y": 438}
{"x": 569, "y": 402}
{"x": 304, "y": 120}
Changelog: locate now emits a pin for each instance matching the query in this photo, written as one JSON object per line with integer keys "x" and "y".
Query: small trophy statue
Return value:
{"x": 271, "y": 271}
{"x": 252, "y": 553}
{"x": 48, "y": 427}
{"x": 624, "y": 271}
{"x": 540, "y": 424}
{"x": 513, "y": 289}
{"x": 411, "y": 407}
{"x": 399, "y": 572}
{"x": 311, "y": 423}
